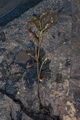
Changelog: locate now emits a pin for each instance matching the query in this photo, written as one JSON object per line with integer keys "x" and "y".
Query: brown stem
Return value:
{"x": 40, "y": 104}
{"x": 38, "y": 71}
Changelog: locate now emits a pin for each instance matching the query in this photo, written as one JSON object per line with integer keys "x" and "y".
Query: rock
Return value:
{"x": 11, "y": 90}
{"x": 1, "y": 58}
{"x": 2, "y": 37}
{"x": 68, "y": 62}
{"x": 61, "y": 44}
{"x": 77, "y": 100}
{"x": 10, "y": 10}
{"x": 59, "y": 78}
{"x": 22, "y": 57}
{"x": 2, "y": 50}
{"x": 3, "y": 117}
{"x": 25, "y": 117}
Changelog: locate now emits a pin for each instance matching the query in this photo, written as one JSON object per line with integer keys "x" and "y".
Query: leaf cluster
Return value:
{"x": 42, "y": 24}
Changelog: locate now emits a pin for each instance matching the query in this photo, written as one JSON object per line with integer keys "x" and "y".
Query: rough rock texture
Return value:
{"x": 9, "y": 9}
{"x": 18, "y": 86}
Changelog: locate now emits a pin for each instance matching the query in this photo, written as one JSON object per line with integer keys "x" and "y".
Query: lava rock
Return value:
{"x": 21, "y": 57}
{"x": 2, "y": 37}
{"x": 2, "y": 50}
{"x": 68, "y": 62}
{"x": 59, "y": 78}
{"x": 10, "y": 89}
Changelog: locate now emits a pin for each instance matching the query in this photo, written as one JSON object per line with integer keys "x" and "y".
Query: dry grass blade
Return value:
{"x": 40, "y": 77}
{"x": 37, "y": 25}
{"x": 56, "y": 15}
{"x": 30, "y": 54}
{"x": 44, "y": 60}
{"x": 31, "y": 65}
{"x": 35, "y": 21}
{"x": 51, "y": 21}
{"x": 35, "y": 36}
{"x": 45, "y": 15}
{"x": 45, "y": 29}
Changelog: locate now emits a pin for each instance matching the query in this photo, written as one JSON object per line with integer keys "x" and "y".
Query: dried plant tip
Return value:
{"x": 30, "y": 65}
{"x": 45, "y": 15}
{"x": 30, "y": 54}
{"x": 35, "y": 36}
{"x": 56, "y": 15}
{"x": 35, "y": 21}
{"x": 51, "y": 21}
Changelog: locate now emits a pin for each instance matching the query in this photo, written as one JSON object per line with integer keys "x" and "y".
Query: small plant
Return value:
{"x": 42, "y": 23}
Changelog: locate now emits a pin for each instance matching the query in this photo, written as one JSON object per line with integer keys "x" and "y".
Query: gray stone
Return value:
{"x": 61, "y": 43}
{"x": 22, "y": 57}
{"x": 2, "y": 37}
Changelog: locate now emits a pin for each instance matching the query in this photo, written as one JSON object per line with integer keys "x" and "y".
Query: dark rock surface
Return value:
{"x": 11, "y": 9}
{"x": 2, "y": 36}
{"x": 60, "y": 92}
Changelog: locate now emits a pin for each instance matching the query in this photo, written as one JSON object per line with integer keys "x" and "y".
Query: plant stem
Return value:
{"x": 38, "y": 78}
{"x": 38, "y": 71}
